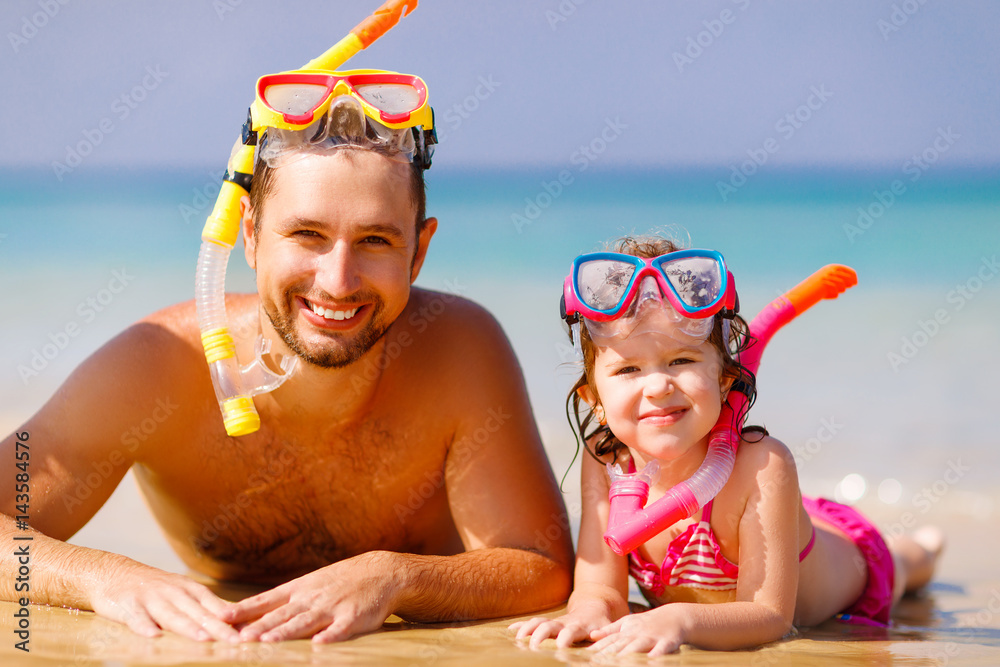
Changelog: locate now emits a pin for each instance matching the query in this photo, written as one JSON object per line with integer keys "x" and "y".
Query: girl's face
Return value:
{"x": 660, "y": 397}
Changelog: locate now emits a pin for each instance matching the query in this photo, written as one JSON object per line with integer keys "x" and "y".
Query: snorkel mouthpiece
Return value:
{"x": 630, "y": 522}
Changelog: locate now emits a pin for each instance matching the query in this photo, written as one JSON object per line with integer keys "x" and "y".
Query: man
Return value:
{"x": 398, "y": 471}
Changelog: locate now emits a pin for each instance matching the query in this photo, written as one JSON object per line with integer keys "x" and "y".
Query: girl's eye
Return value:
{"x": 626, "y": 370}
{"x": 681, "y": 361}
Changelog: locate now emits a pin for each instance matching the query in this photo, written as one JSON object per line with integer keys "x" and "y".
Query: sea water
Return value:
{"x": 887, "y": 393}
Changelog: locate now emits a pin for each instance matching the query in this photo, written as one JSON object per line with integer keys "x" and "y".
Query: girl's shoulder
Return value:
{"x": 763, "y": 460}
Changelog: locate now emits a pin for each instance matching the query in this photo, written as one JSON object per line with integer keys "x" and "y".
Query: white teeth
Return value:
{"x": 333, "y": 314}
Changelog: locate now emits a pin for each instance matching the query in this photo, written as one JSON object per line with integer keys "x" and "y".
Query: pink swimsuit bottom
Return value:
{"x": 694, "y": 560}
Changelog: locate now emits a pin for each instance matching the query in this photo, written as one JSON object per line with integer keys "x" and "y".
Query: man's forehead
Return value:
{"x": 346, "y": 183}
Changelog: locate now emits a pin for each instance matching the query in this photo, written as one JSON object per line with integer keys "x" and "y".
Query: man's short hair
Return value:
{"x": 263, "y": 186}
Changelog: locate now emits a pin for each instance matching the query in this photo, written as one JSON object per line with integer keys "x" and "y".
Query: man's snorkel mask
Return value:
{"x": 680, "y": 293}
{"x": 311, "y": 112}
{"x": 296, "y": 113}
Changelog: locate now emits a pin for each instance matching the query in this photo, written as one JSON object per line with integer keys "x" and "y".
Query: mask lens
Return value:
{"x": 295, "y": 99}
{"x": 601, "y": 283}
{"x": 697, "y": 281}
{"x": 392, "y": 98}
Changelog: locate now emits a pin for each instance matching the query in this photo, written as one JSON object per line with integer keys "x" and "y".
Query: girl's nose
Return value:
{"x": 658, "y": 384}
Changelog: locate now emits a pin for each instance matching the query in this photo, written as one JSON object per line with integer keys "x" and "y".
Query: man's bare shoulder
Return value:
{"x": 447, "y": 320}
{"x": 181, "y": 320}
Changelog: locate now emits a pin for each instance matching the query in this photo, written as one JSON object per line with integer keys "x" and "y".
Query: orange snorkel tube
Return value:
{"x": 235, "y": 386}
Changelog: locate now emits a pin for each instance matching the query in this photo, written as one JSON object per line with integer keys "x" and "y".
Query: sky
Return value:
{"x": 850, "y": 83}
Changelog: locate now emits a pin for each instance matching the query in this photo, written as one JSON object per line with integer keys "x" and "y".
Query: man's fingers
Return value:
{"x": 209, "y": 600}
{"x": 338, "y": 631}
{"x": 269, "y": 621}
{"x": 297, "y": 627}
{"x": 139, "y": 622}
{"x": 169, "y": 617}
{"x": 196, "y": 611}
{"x": 253, "y": 608}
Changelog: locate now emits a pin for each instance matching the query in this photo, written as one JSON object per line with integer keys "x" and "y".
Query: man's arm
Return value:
{"x": 76, "y": 457}
{"x": 503, "y": 499}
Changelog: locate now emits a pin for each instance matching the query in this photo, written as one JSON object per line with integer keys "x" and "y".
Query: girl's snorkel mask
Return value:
{"x": 619, "y": 295}
{"x": 295, "y": 113}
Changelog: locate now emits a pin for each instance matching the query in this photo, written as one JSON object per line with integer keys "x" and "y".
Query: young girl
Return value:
{"x": 654, "y": 384}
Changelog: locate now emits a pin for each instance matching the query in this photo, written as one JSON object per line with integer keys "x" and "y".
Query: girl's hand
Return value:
{"x": 656, "y": 632}
{"x": 576, "y": 626}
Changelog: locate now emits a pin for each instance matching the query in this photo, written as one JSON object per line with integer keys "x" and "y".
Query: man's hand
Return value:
{"x": 149, "y": 600}
{"x": 331, "y": 604}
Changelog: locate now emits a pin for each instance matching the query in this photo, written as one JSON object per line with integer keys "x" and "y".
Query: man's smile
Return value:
{"x": 340, "y": 317}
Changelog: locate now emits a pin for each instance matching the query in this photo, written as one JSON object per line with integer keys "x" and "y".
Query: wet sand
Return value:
{"x": 956, "y": 621}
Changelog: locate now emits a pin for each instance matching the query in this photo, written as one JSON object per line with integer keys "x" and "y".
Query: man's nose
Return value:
{"x": 338, "y": 273}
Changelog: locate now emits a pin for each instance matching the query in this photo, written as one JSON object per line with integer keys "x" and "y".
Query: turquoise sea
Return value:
{"x": 894, "y": 382}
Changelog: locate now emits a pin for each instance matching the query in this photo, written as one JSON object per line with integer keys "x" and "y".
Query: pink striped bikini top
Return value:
{"x": 694, "y": 560}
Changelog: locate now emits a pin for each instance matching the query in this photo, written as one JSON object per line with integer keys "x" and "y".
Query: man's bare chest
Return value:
{"x": 277, "y": 504}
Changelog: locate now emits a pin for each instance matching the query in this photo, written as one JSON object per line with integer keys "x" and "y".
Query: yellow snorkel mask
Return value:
{"x": 305, "y": 111}
{"x": 296, "y": 112}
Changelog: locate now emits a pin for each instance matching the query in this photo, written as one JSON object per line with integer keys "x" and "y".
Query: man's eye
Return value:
{"x": 376, "y": 240}
{"x": 306, "y": 233}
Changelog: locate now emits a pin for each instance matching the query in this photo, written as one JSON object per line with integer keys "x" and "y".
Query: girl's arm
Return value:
{"x": 600, "y": 593}
{"x": 768, "y": 579}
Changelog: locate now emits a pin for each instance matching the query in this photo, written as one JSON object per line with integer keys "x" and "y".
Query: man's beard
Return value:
{"x": 363, "y": 341}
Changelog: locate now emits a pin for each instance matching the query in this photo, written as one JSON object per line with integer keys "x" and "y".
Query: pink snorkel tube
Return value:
{"x": 630, "y": 522}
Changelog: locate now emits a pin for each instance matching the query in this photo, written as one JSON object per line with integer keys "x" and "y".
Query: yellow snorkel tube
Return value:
{"x": 234, "y": 385}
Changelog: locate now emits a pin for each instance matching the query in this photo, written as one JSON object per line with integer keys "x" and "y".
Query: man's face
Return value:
{"x": 336, "y": 252}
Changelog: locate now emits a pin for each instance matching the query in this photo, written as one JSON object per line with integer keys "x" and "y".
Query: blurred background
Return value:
{"x": 786, "y": 135}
